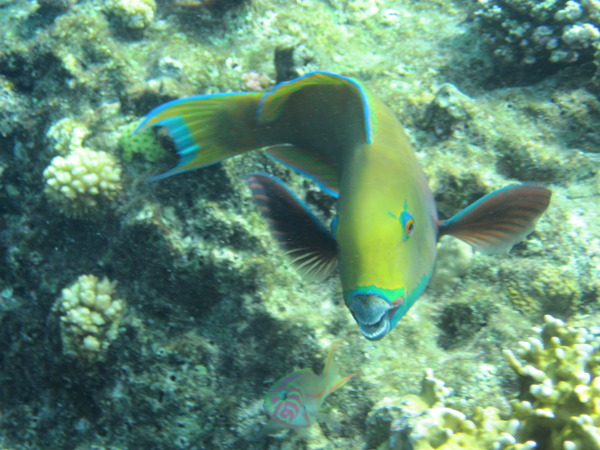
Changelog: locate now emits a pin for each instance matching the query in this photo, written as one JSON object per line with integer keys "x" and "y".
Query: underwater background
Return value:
{"x": 138, "y": 314}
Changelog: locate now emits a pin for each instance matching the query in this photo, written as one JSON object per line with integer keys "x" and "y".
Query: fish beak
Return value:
{"x": 372, "y": 314}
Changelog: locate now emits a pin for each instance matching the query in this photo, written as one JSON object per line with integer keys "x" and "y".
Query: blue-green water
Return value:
{"x": 201, "y": 312}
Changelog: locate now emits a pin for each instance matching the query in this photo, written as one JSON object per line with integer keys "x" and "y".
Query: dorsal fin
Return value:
{"x": 330, "y": 89}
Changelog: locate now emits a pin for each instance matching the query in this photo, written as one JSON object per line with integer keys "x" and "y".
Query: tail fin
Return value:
{"x": 499, "y": 220}
{"x": 331, "y": 373}
{"x": 208, "y": 128}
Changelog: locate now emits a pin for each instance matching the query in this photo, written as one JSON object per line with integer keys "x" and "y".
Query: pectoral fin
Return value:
{"x": 499, "y": 220}
{"x": 311, "y": 248}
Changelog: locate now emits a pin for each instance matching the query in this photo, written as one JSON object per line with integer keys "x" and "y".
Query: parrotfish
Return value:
{"x": 295, "y": 400}
{"x": 331, "y": 129}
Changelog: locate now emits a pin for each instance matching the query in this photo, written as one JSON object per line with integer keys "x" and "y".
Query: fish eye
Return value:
{"x": 410, "y": 227}
{"x": 408, "y": 224}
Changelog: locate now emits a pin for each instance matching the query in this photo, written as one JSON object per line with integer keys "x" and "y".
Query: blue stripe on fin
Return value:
{"x": 148, "y": 122}
{"x": 207, "y": 129}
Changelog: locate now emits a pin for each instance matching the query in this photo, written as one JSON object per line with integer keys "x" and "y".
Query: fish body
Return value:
{"x": 331, "y": 129}
{"x": 379, "y": 256}
{"x": 295, "y": 400}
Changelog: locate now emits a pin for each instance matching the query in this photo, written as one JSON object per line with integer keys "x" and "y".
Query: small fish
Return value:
{"x": 295, "y": 400}
{"x": 331, "y": 129}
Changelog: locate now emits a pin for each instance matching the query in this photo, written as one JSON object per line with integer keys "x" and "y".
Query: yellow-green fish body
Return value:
{"x": 378, "y": 254}
{"x": 331, "y": 129}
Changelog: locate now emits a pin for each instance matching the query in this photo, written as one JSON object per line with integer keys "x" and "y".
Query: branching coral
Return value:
{"x": 559, "y": 403}
{"x": 67, "y": 135}
{"x": 530, "y": 32}
{"x": 425, "y": 422}
{"x": 83, "y": 183}
{"x": 558, "y": 406}
{"x": 89, "y": 317}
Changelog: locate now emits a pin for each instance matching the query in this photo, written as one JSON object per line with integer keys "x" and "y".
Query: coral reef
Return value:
{"x": 13, "y": 106}
{"x": 83, "y": 183}
{"x": 559, "y": 401}
{"x": 89, "y": 318}
{"x": 60, "y": 5}
{"x": 538, "y": 290}
{"x": 448, "y": 110}
{"x": 558, "y": 406}
{"x": 524, "y": 32}
{"x": 67, "y": 135}
{"x": 453, "y": 261}
{"x": 214, "y": 310}
{"x": 424, "y": 422}
{"x": 292, "y": 62}
{"x": 133, "y": 14}
{"x": 145, "y": 144}
{"x": 256, "y": 82}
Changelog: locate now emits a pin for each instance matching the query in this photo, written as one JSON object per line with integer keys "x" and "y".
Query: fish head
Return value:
{"x": 386, "y": 258}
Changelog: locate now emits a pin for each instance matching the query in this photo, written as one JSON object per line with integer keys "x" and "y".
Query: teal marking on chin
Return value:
{"x": 411, "y": 299}
{"x": 377, "y": 310}
{"x": 373, "y": 308}
{"x": 388, "y": 294}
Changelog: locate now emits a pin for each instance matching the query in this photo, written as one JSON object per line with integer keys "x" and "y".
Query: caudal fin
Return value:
{"x": 208, "y": 128}
{"x": 333, "y": 380}
{"x": 499, "y": 220}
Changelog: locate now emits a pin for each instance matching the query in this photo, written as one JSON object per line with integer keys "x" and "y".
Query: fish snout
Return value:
{"x": 371, "y": 314}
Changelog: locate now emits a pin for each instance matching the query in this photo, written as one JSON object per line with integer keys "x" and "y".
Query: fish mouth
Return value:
{"x": 372, "y": 314}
